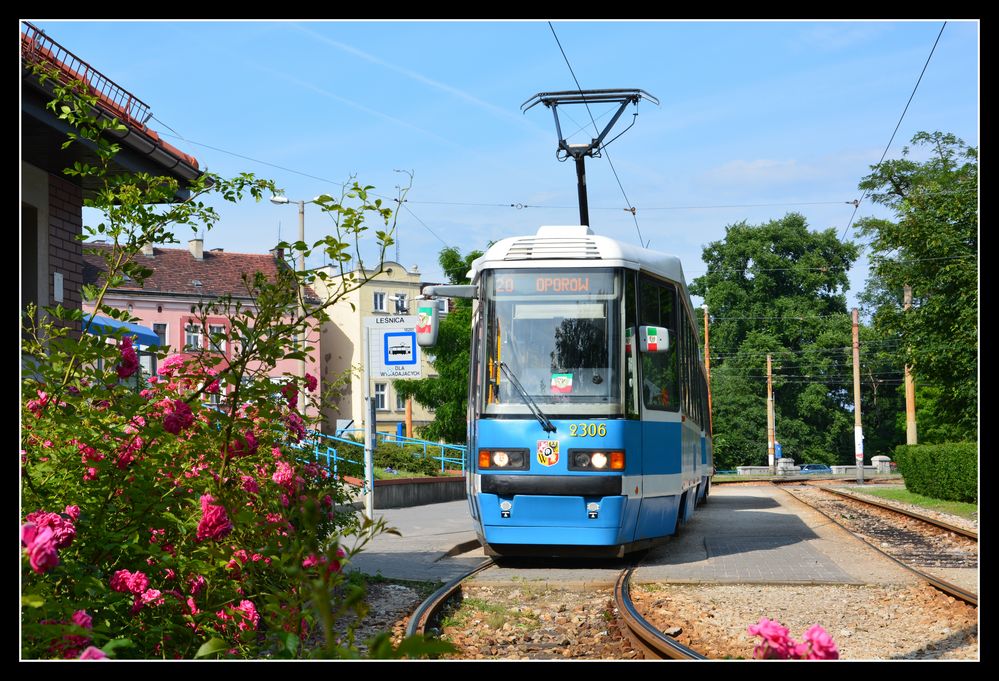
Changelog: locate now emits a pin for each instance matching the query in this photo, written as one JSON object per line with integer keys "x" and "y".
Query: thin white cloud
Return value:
{"x": 834, "y": 37}
{"x": 761, "y": 172}
{"x": 444, "y": 87}
{"x": 355, "y": 105}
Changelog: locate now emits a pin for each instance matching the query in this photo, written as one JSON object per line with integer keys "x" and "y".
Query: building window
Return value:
{"x": 400, "y": 402}
{"x": 217, "y": 344}
{"x": 400, "y": 303}
{"x": 192, "y": 337}
{"x": 161, "y": 332}
{"x": 379, "y": 301}
{"x": 380, "y": 396}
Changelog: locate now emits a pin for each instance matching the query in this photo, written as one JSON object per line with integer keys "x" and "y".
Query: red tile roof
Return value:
{"x": 175, "y": 270}
{"x": 37, "y": 47}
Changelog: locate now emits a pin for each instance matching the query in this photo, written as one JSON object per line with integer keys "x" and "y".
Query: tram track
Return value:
{"x": 642, "y": 635}
{"x": 907, "y": 547}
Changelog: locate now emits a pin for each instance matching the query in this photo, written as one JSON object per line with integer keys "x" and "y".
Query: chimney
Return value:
{"x": 278, "y": 254}
{"x": 197, "y": 248}
{"x": 147, "y": 250}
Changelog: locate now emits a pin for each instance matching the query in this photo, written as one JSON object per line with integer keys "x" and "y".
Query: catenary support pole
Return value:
{"x": 858, "y": 428}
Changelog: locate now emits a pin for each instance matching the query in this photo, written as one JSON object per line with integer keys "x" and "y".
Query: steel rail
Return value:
{"x": 432, "y": 606}
{"x": 652, "y": 642}
{"x": 970, "y": 534}
{"x": 934, "y": 581}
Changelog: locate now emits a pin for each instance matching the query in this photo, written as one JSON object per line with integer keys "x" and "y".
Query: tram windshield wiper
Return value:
{"x": 545, "y": 422}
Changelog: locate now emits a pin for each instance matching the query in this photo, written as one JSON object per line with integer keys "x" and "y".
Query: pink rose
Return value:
{"x": 92, "y": 653}
{"x": 776, "y": 643}
{"x": 73, "y": 512}
{"x": 214, "y": 524}
{"x": 821, "y": 645}
{"x": 250, "y": 484}
{"x": 179, "y": 418}
{"x": 63, "y": 530}
{"x": 82, "y": 619}
{"x": 284, "y": 475}
{"x": 41, "y": 547}
{"x": 129, "y": 363}
{"x": 311, "y": 382}
{"x": 196, "y": 585}
{"x": 169, "y": 365}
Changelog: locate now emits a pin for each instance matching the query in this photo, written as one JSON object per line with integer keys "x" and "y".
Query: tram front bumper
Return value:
{"x": 553, "y": 519}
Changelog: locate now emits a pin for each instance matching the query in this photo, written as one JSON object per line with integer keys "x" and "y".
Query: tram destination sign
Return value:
{"x": 392, "y": 348}
{"x": 552, "y": 283}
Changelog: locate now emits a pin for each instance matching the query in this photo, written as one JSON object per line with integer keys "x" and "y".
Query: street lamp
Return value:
{"x": 281, "y": 201}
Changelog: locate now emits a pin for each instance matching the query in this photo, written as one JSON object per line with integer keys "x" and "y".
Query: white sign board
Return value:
{"x": 392, "y": 348}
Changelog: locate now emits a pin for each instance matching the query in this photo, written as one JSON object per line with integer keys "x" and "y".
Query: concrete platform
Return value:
{"x": 748, "y": 534}
{"x": 427, "y": 534}
{"x": 742, "y": 534}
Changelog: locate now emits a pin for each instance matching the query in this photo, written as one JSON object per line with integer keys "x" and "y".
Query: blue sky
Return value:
{"x": 788, "y": 114}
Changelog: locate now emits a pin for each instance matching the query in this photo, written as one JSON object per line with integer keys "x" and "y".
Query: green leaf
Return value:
{"x": 211, "y": 647}
{"x": 111, "y": 646}
{"x": 32, "y": 601}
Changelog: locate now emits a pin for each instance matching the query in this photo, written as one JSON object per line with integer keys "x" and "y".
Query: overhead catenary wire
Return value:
{"x": 897, "y": 125}
{"x": 629, "y": 207}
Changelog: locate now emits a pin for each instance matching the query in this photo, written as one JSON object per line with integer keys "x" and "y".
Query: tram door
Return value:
{"x": 659, "y": 405}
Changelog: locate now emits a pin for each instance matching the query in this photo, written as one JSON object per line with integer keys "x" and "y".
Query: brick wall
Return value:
{"x": 65, "y": 252}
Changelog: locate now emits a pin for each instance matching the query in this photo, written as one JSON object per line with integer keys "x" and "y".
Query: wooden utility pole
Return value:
{"x": 910, "y": 388}
{"x": 409, "y": 417}
{"x": 858, "y": 428}
{"x": 707, "y": 371}
{"x": 770, "y": 420}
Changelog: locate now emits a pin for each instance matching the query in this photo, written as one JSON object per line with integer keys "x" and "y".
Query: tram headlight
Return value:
{"x": 508, "y": 459}
{"x": 596, "y": 460}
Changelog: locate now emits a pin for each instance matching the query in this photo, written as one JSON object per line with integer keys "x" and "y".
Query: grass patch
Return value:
{"x": 958, "y": 508}
{"x": 493, "y": 615}
{"x": 381, "y": 474}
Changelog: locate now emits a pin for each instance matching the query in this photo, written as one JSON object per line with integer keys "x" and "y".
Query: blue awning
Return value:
{"x": 103, "y": 326}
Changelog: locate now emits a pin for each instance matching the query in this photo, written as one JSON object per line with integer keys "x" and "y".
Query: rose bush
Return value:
{"x": 188, "y": 530}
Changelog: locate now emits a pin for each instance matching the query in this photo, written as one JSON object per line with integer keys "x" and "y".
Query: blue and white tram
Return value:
{"x": 587, "y": 401}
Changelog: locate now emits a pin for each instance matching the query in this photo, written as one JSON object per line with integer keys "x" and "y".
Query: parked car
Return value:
{"x": 815, "y": 468}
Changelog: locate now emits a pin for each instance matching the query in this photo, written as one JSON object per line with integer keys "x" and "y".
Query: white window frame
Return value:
{"x": 166, "y": 334}
{"x": 378, "y": 301}
{"x": 198, "y": 332}
{"x": 399, "y": 300}
{"x": 381, "y": 391}
{"x": 213, "y": 329}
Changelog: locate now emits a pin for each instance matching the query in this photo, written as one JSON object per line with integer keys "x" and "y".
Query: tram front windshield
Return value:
{"x": 559, "y": 333}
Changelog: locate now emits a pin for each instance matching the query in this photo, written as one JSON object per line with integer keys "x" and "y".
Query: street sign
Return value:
{"x": 392, "y": 348}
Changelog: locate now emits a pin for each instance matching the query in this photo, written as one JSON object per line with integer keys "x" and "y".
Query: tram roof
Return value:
{"x": 555, "y": 244}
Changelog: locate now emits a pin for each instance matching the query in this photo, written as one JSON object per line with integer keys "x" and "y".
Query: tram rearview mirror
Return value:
{"x": 653, "y": 338}
{"x": 426, "y": 323}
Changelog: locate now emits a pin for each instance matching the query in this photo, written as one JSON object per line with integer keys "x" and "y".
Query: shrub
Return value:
{"x": 945, "y": 471}
{"x": 406, "y": 458}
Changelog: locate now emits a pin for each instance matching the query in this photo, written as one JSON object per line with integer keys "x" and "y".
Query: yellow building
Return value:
{"x": 390, "y": 293}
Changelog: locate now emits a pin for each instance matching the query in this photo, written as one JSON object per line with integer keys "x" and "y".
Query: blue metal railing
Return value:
{"x": 345, "y": 455}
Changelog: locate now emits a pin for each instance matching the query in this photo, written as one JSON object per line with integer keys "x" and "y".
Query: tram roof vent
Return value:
{"x": 553, "y": 248}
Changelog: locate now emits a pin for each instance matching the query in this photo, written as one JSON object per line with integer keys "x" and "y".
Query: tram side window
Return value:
{"x": 657, "y": 307}
{"x": 630, "y": 364}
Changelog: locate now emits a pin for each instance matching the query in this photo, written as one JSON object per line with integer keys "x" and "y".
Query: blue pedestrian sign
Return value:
{"x": 398, "y": 348}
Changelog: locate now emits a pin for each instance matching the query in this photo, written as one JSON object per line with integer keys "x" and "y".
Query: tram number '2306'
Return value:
{"x": 587, "y": 430}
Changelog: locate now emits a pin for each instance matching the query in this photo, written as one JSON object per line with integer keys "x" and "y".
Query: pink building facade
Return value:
{"x": 181, "y": 279}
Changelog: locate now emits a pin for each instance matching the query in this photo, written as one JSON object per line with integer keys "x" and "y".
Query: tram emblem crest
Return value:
{"x": 547, "y": 452}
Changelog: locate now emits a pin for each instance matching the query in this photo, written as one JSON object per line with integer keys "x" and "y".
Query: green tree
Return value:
{"x": 933, "y": 247}
{"x": 778, "y": 288}
{"x": 447, "y": 393}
